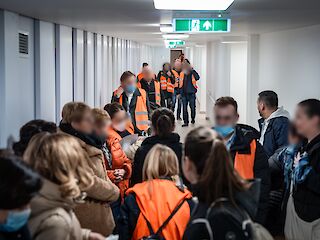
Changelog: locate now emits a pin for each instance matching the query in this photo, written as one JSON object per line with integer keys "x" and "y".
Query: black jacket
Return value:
{"x": 222, "y": 224}
{"x": 172, "y": 141}
{"x": 306, "y": 195}
{"x": 131, "y": 109}
{"x": 22, "y": 234}
{"x": 244, "y": 136}
{"x": 151, "y": 92}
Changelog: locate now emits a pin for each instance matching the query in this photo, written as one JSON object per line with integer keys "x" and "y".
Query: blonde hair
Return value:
{"x": 60, "y": 158}
{"x": 100, "y": 116}
{"x": 161, "y": 161}
{"x": 74, "y": 111}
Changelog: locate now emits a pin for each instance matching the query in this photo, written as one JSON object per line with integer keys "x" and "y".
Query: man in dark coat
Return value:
{"x": 249, "y": 157}
{"x": 273, "y": 124}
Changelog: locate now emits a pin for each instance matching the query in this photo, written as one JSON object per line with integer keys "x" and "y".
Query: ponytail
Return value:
{"x": 163, "y": 122}
{"x": 214, "y": 166}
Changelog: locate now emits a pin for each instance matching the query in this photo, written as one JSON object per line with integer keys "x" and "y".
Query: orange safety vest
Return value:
{"x": 194, "y": 81}
{"x": 157, "y": 92}
{"x": 178, "y": 78}
{"x": 156, "y": 200}
{"x": 166, "y": 84}
{"x": 244, "y": 163}
{"x": 140, "y": 76}
{"x": 141, "y": 111}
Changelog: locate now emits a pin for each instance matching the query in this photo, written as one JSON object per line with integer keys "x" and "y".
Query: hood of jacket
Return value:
{"x": 173, "y": 138}
{"x": 50, "y": 198}
{"x": 244, "y": 136}
{"x": 280, "y": 112}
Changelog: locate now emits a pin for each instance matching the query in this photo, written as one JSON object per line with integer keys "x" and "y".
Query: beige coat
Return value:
{"x": 95, "y": 213}
{"x": 52, "y": 216}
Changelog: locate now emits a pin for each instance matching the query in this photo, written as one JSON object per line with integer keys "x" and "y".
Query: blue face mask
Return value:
{"x": 224, "y": 131}
{"x": 130, "y": 88}
{"x": 15, "y": 220}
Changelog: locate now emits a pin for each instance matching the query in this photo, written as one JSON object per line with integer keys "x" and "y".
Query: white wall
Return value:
{"x": 289, "y": 64}
{"x": 45, "y": 79}
{"x": 64, "y": 67}
{"x": 64, "y": 64}
{"x": 238, "y": 77}
{"x": 16, "y": 76}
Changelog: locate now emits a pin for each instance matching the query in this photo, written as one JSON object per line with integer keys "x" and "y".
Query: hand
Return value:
{"x": 119, "y": 91}
{"x": 96, "y": 236}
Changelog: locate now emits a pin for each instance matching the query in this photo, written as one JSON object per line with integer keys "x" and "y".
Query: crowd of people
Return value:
{"x": 121, "y": 172}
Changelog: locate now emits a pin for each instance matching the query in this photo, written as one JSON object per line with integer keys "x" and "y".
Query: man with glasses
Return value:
{"x": 249, "y": 157}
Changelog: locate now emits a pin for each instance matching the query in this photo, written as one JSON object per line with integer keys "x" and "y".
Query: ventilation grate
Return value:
{"x": 23, "y": 43}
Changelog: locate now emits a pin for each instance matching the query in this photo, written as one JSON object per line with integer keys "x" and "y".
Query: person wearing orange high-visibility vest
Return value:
{"x": 152, "y": 88}
{"x": 188, "y": 89}
{"x": 135, "y": 101}
{"x": 248, "y": 156}
{"x": 176, "y": 96}
{"x": 167, "y": 81}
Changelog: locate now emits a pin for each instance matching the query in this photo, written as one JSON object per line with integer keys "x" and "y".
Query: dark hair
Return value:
{"x": 126, "y": 75}
{"x": 269, "y": 98}
{"x": 145, "y": 64}
{"x": 213, "y": 162}
{"x": 293, "y": 132}
{"x": 163, "y": 121}
{"x": 311, "y": 107}
{"x": 166, "y": 63}
{"x": 18, "y": 183}
{"x": 187, "y": 60}
{"x": 30, "y": 129}
{"x": 225, "y": 101}
{"x": 113, "y": 108}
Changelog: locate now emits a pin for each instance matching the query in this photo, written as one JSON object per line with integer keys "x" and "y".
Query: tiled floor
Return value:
{"x": 200, "y": 121}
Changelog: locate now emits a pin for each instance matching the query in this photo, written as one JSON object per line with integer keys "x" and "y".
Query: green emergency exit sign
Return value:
{"x": 202, "y": 25}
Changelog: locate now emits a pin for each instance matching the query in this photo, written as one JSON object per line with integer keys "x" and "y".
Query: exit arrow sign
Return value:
{"x": 202, "y": 25}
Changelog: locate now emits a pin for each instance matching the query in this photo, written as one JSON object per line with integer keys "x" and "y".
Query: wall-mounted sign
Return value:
{"x": 201, "y": 25}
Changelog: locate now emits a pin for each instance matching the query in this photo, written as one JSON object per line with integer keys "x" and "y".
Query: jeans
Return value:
{"x": 189, "y": 99}
{"x": 174, "y": 100}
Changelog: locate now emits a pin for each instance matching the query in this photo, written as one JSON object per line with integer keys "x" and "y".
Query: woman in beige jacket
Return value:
{"x": 60, "y": 160}
{"x": 95, "y": 213}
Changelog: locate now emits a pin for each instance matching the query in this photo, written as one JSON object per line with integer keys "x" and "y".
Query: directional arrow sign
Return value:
{"x": 202, "y": 25}
{"x": 207, "y": 25}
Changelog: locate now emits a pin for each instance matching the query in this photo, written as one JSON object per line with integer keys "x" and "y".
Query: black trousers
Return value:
{"x": 189, "y": 99}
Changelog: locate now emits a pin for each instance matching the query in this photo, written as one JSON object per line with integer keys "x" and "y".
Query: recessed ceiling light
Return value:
{"x": 231, "y": 42}
{"x": 175, "y": 36}
{"x": 166, "y": 28}
{"x": 192, "y": 4}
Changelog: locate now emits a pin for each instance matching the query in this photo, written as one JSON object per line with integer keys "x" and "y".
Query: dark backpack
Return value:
{"x": 251, "y": 230}
{"x": 158, "y": 234}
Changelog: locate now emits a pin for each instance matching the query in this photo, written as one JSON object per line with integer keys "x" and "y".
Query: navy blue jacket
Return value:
{"x": 187, "y": 82}
{"x": 276, "y": 135}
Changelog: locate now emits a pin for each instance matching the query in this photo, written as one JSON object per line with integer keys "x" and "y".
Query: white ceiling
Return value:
{"x": 139, "y": 20}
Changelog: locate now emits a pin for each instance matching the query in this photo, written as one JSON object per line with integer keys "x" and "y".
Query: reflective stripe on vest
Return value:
{"x": 194, "y": 81}
{"x": 157, "y": 92}
{"x": 244, "y": 163}
{"x": 141, "y": 111}
{"x": 177, "y": 77}
{"x": 163, "y": 82}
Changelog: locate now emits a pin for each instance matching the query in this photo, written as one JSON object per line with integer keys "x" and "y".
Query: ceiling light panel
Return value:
{"x": 175, "y": 36}
{"x": 192, "y": 4}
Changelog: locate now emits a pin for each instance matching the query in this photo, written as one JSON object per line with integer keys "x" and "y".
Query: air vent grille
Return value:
{"x": 23, "y": 43}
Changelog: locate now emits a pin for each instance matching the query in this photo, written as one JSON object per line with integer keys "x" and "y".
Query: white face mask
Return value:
{"x": 120, "y": 127}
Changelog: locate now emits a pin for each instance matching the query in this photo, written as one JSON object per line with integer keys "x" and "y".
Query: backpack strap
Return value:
{"x": 164, "y": 224}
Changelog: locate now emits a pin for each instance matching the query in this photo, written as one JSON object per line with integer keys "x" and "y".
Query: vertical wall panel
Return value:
{"x": 45, "y": 70}
{"x": 64, "y": 79}
{"x": 17, "y": 76}
{"x": 98, "y": 70}
{"x": 89, "y": 68}
{"x": 78, "y": 65}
